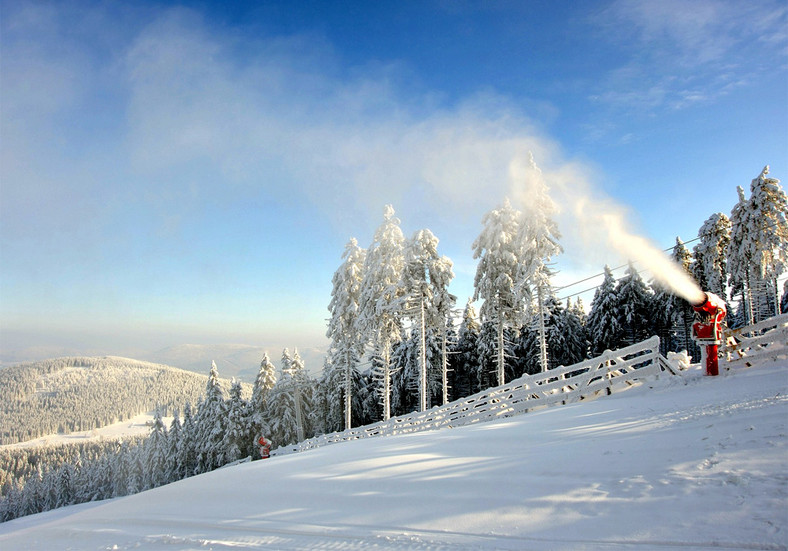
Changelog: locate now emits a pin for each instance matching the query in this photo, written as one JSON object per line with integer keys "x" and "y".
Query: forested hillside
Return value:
{"x": 73, "y": 394}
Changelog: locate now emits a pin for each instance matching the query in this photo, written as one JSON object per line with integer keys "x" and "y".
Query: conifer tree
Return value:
{"x": 210, "y": 424}
{"x": 740, "y": 253}
{"x": 711, "y": 262}
{"x": 380, "y": 320}
{"x": 603, "y": 326}
{"x": 680, "y": 310}
{"x": 425, "y": 279}
{"x": 258, "y": 405}
{"x": 538, "y": 235}
{"x": 634, "y": 302}
{"x": 238, "y": 436}
{"x": 769, "y": 205}
{"x": 465, "y": 358}
{"x": 347, "y": 344}
{"x": 496, "y": 282}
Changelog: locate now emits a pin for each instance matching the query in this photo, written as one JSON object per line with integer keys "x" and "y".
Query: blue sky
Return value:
{"x": 190, "y": 172}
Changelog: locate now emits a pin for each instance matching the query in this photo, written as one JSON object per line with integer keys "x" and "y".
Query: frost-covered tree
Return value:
{"x": 187, "y": 447}
{"x": 258, "y": 404}
{"x": 174, "y": 470}
{"x": 294, "y": 368}
{"x": 538, "y": 236}
{"x": 380, "y": 319}
{"x": 427, "y": 302}
{"x": 329, "y": 406}
{"x": 465, "y": 359}
{"x": 210, "y": 425}
{"x": 154, "y": 453}
{"x": 769, "y": 206}
{"x": 681, "y": 312}
{"x": 711, "y": 254}
{"x": 740, "y": 252}
{"x": 602, "y": 326}
{"x": 634, "y": 306}
{"x": 347, "y": 345}
{"x": 496, "y": 282}
{"x": 282, "y": 410}
{"x": 566, "y": 334}
{"x": 238, "y": 435}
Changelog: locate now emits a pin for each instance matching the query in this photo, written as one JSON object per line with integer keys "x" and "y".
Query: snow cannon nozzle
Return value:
{"x": 712, "y": 306}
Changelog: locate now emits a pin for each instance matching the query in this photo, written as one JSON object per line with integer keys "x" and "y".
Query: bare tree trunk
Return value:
{"x": 348, "y": 391}
{"x": 422, "y": 361}
{"x": 542, "y": 338}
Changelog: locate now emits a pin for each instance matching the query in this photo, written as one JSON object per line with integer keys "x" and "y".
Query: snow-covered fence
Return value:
{"x": 765, "y": 339}
{"x": 611, "y": 371}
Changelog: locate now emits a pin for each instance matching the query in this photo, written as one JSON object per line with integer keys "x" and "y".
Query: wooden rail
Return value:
{"x": 612, "y": 371}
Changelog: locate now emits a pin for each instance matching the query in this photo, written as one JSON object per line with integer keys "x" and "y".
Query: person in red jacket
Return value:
{"x": 265, "y": 447}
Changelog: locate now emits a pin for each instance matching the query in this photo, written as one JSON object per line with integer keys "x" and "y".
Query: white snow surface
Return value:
{"x": 139, "y": 425}
{"x": 688, "y": 462}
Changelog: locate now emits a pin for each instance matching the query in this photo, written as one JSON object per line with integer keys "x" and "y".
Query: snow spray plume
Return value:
{"x": 592, "y": 221}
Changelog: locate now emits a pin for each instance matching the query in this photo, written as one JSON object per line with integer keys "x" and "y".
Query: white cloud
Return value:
{"x": 678, "y": 53}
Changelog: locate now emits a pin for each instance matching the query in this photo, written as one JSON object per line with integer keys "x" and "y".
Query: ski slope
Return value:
{"x": 693, "y": 463}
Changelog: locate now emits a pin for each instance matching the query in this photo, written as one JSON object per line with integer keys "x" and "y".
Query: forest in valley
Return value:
{"x": 400, "y": 343}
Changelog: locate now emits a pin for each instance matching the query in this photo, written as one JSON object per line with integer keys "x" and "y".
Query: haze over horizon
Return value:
{"x": 190, "y": 172}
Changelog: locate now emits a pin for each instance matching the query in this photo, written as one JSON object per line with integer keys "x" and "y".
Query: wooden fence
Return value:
{"x": 767, "y": 339}
{"x": 612, "y": 371}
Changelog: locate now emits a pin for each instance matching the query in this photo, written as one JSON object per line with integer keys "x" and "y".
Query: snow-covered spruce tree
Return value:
{"x": 380, "y": 320}
{"x": 769, "y": 205}
{"x": 305, "y": 392}
{"x": 347, "y": 345}
{"x": 634, "y": 303}
{"x": 154, "y": 454}
{"x": 496, "y": 281}
{"x": 566, "y": 334}
{"x": 681, "y": 311}
{"x": 427, "y": 302}
{"x": 538, "y": 235}
{"x": 328, "y": 409}
{"x": 662, "y": 301}
{"x": 238, "y": 435}
{"x": 174, "y": 470}
{"x": 602, "y": 326}
{"x": 711, "y": 252}
{"x": 281, "y": 410}
{"x": 258, "y": 404}
{"x": 294, "y": 368}
{"x": 187, "y": 447}
{"x": 209, "y": 423}
{"x": 740, "y": 253}
{"x": 464, "y": 359}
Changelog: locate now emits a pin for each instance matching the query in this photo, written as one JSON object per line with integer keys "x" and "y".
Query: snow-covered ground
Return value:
{"x": 695, "y": 463}
{"x": 138, "y": 425}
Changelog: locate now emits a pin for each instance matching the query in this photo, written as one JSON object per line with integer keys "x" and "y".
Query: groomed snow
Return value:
{"x": 139, "y": 425}
{"x": 694, "y": 463}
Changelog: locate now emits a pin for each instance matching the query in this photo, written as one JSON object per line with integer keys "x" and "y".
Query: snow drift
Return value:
{"x": 684, "y": 462}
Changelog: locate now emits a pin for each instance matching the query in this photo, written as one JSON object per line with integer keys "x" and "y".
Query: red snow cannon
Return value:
{"x": 707, "y": 330}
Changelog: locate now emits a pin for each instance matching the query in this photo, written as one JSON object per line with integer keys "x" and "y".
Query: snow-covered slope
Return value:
{"x": 682, "y": 466}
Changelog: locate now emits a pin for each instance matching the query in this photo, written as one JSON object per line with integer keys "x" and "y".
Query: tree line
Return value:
{"x": 67, "y": 395}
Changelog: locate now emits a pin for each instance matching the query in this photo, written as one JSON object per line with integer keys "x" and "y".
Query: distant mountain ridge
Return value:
{"x": 70, "y": 394}
{"x": 241, "y": 361}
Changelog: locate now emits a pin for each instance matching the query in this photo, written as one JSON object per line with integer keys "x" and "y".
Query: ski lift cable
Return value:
{"x": 668, "y": 249}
